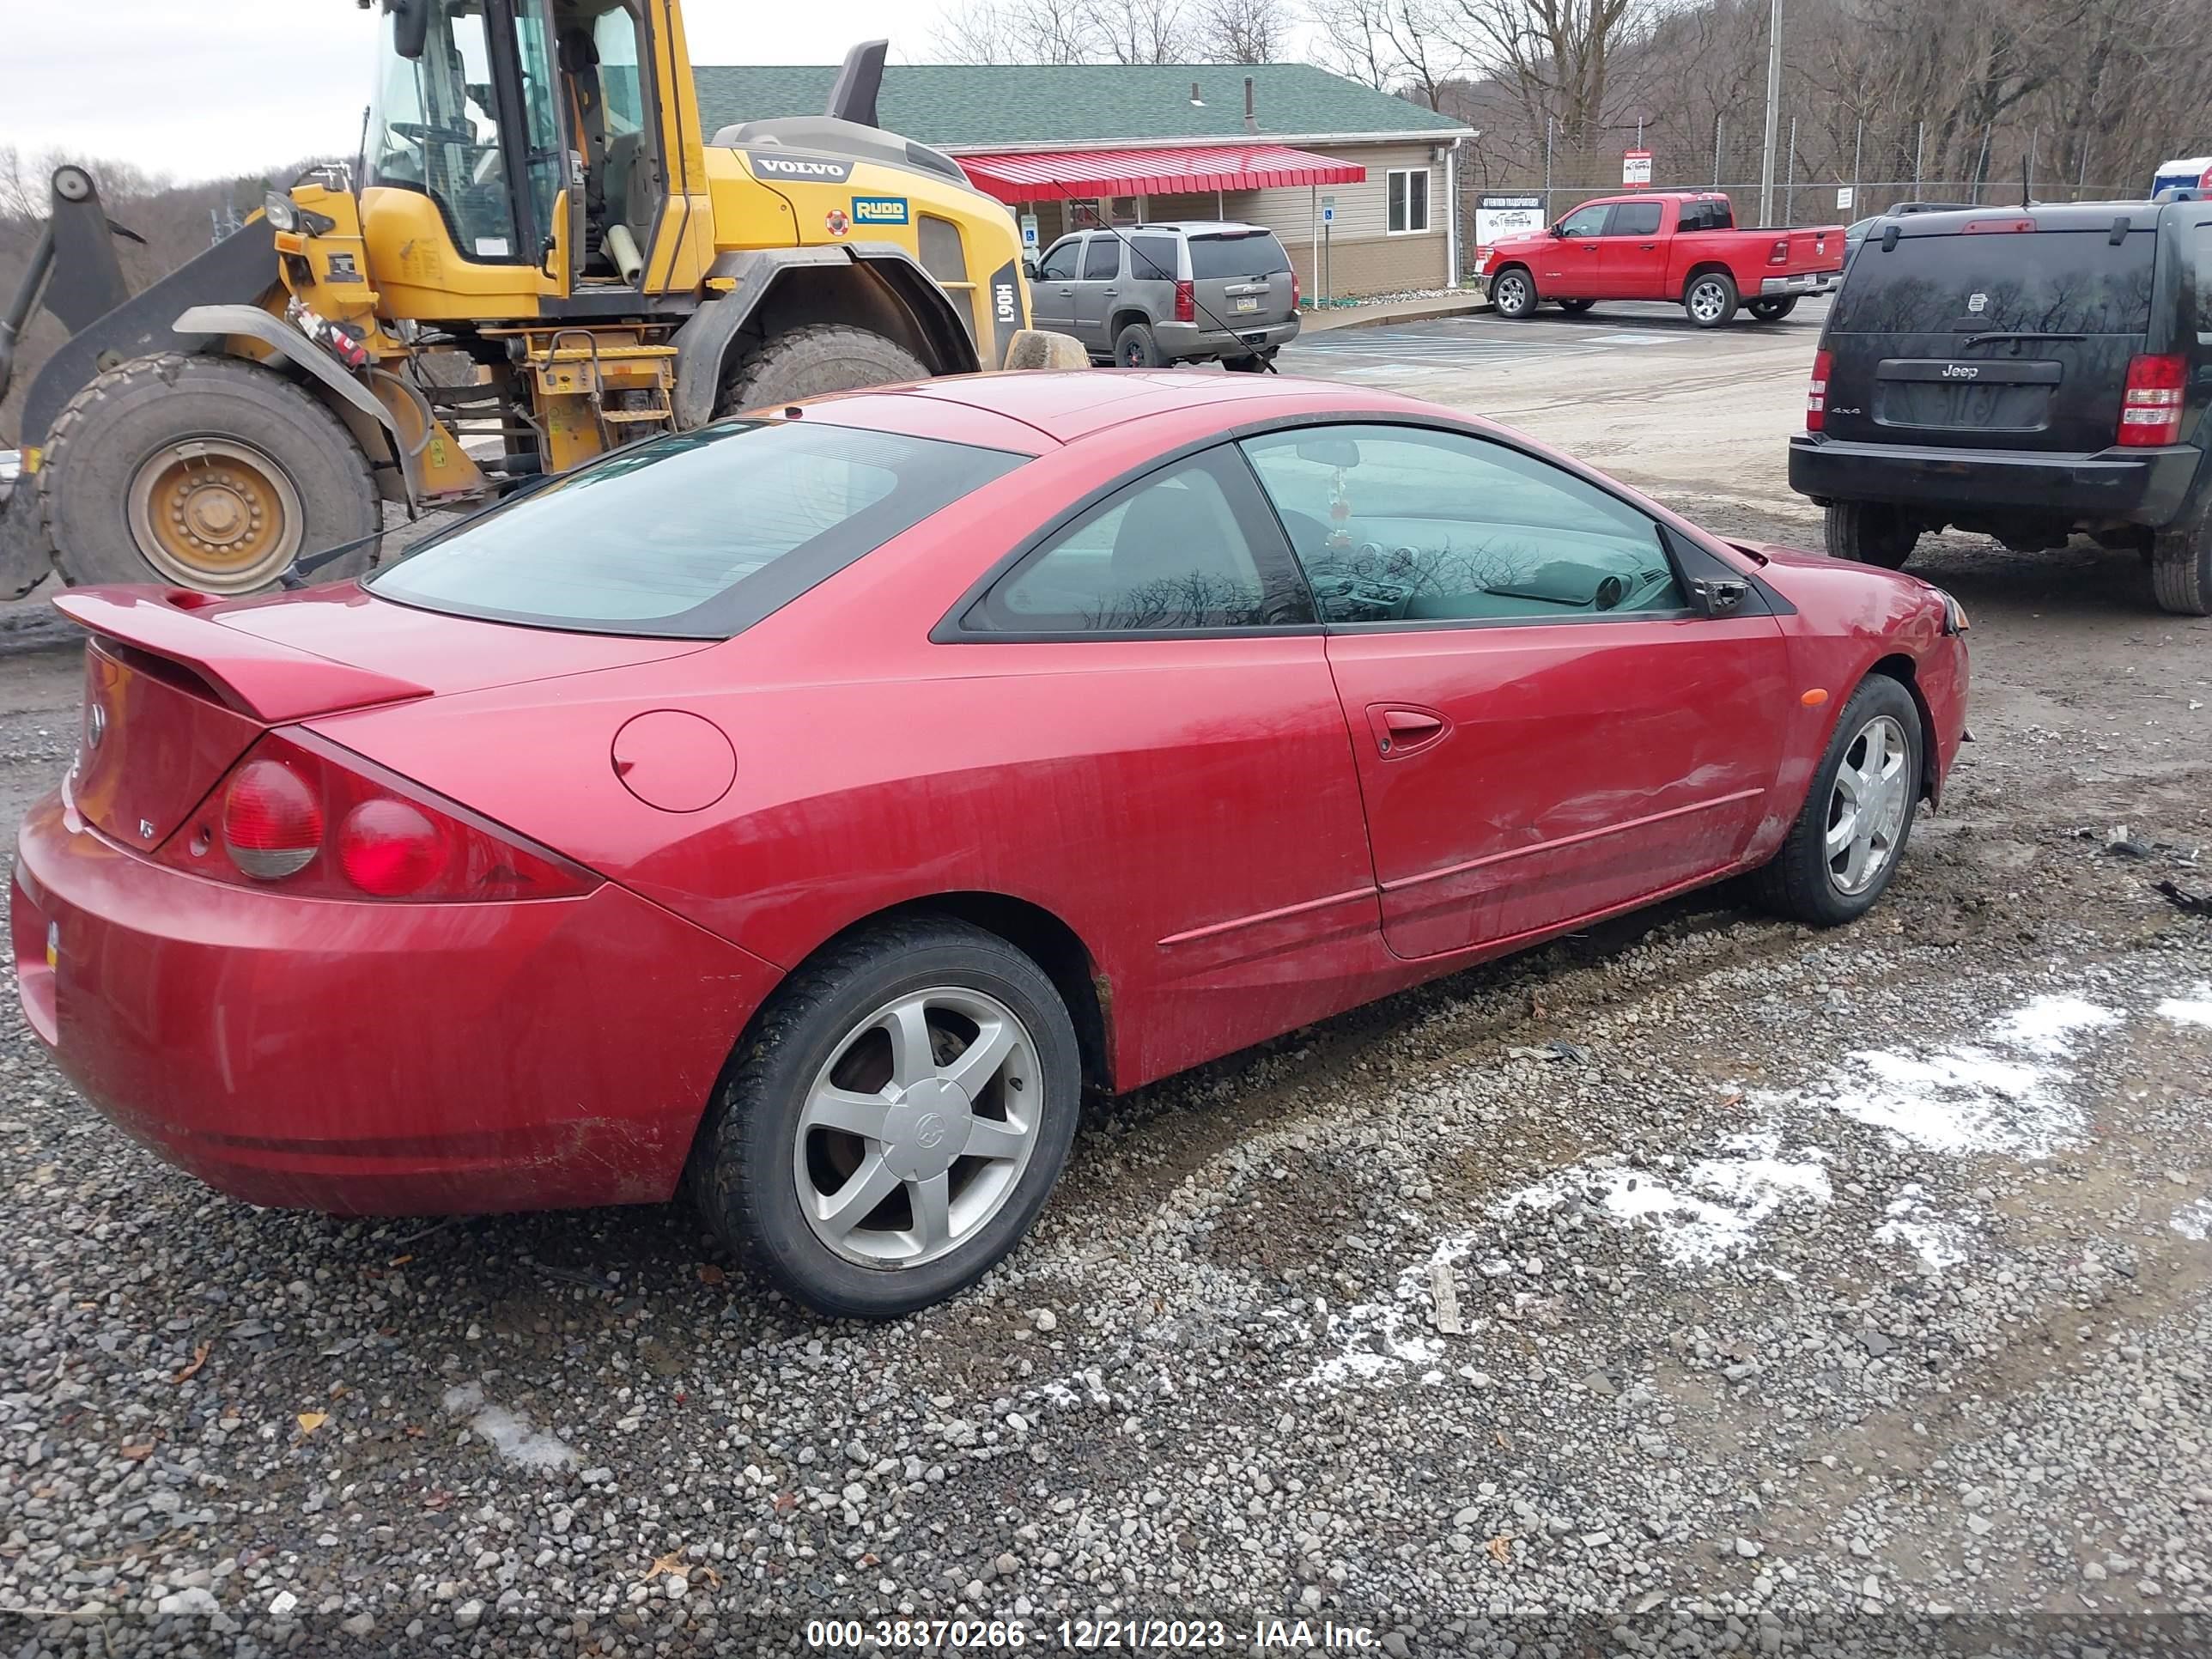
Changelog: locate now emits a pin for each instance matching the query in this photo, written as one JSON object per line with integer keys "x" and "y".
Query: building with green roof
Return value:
{"x": 1359, "y": 185}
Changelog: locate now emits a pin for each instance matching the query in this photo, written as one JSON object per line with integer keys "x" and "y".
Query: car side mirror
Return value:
{"x": 1715, "y": 597}
{"x": 1029, "y": 270}
{"x": 1558, "y": 229}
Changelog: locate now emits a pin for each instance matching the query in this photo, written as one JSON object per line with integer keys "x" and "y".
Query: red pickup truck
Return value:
{"x": 1664, "y": 245}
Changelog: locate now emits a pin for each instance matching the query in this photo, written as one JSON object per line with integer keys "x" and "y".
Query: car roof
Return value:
{"x": 1050, "y": 407}
{"x": 1204, "y": 226}
{"x": 2047, "y": 215}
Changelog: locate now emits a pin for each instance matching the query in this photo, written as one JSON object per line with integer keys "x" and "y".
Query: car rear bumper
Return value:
{"x": 1181, "y": 341}
{"x": 1804, "y": 281}
{"x": 376, "y": 1058}
{"x": 2133, "y": 486}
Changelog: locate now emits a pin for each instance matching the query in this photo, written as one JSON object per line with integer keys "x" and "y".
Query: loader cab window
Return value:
{"x": 607, "y": 88}
{"x": 436, "y": 128}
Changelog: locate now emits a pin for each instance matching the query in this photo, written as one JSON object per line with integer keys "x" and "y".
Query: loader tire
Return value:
{"x": 206, "y": 472}
{"x": 811, "y": 362}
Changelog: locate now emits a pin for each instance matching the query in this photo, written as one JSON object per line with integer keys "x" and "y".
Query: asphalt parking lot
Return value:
{"x": 1698, "y": 1284}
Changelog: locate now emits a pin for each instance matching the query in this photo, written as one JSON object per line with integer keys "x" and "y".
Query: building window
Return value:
{"x": 1409, "y": 201}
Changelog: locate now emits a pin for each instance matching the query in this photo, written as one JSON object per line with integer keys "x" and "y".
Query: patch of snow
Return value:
{"x": 2194, "y": 1221}
{"x": 2048, "y": 1024}
{"x": 507, "y": 1433}
{"x": 1712, "y": 1216}
{"x": 1378, "y": 1339}
{"x": 1939, "y": 1243}
{"x": 2194, "y": 1010}
{"x": 1968, "y": 1097}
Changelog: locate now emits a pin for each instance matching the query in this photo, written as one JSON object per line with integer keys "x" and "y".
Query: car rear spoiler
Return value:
{"x": 272, "y": 683}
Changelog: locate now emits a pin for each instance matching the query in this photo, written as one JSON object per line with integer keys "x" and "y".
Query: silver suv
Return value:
{"x": 1190, "y": 292}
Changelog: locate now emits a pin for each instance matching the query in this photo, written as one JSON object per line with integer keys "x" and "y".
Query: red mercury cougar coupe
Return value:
{"x": 805, "y": 808}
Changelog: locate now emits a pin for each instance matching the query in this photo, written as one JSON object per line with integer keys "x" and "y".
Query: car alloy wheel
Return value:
{"x": 1512, "y": 297}
{"x": 1707, "y": 300}
{"x": 1869, "y": 806}
{"x": 916, "y": 1132}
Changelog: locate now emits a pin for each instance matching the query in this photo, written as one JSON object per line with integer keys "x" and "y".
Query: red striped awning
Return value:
{"x": 1050, "y": 175}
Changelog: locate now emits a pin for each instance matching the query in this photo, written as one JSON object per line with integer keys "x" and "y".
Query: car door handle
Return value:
{"x": 1113, "y": 290}
{"x": 1647, "y": 246}
{"x": 1401, "y": 729}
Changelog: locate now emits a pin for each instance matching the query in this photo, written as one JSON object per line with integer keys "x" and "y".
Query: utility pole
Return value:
{"x": 1773, "y": 111}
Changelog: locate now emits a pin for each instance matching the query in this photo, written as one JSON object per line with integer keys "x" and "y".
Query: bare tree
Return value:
{"x": 1144, "y": 31}
{"x": 1241, "y": 30}
{"x": 1023, "y": 32}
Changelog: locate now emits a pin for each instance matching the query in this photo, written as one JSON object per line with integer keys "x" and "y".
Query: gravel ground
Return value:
{"x": 1699, "y": 1284}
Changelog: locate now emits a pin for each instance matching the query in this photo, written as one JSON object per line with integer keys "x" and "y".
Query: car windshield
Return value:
{"x": 696, "y": 536}
{"x": 2066, "y": 282}
{"x": 1235, "y": 256}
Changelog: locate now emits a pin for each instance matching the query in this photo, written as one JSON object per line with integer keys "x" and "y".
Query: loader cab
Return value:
{"x": 529, "y": 132}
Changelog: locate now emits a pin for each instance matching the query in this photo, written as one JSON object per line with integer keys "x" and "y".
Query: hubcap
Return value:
{"x": 213, "y": 515}
{"x": 916, "y": 1132}
{"x": 1869, "y": 806}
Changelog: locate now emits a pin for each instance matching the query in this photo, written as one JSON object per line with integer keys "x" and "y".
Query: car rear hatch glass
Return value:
{"x": 696, "y": 536}
{"x": 1992, "y": 338}
{"x": 1241, "y": 278}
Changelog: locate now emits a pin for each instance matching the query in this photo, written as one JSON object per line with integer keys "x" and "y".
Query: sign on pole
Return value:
{"x": 1328, "y": 210}
{"x": 1843, "y": 198}
{"x": 1030, "y": 231}
{"x": 1636, "y": 168}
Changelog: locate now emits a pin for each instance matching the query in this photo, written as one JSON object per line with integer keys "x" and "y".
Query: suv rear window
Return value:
{"x": 1236, "y": 256}
{"x": 2044, "y": 282}
{"x": 696, "y": 536}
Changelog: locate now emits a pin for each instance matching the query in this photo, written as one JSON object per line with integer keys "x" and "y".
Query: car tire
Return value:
{"x": 1575, "y": 308}
{"x": 2181, "y": 567}
{"x": 1870, "y": 533}
{"x": 1513, "y": 294}
{"x": 1772, "y": 311}
{"x": 766, "y": 1165}
{"x": 813, "y": 361}
{"x": 1803, "y": 881}
{"x": 1255, "y": 363}
{"x": 1137, "y": 347}
{"x": 1710, "y": 299}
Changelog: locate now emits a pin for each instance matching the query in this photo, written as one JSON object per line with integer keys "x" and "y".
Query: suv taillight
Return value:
{"x": 1186, "y": 309}
{"x": 301, "y": 816}
{"x": 2151, "y": 408}
{"x": 1816, "y": 390}
{"x": 1294, "y": 290}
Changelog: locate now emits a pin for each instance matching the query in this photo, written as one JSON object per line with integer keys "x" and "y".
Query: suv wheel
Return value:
{"x": 1135, "y": 348}
{"x": 1871, "y": 533}
{"x": 1513, "y": 294}
{"x": 2181, "y": 567}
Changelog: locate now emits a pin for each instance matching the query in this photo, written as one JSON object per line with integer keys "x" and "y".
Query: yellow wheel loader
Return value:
{"x": 537, "y": 259}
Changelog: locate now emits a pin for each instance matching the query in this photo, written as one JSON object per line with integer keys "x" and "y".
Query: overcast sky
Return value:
{"x": 197, "y": 88}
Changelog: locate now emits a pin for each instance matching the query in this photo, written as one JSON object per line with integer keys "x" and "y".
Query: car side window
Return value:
{"x": 1170, "y": 551}
{"x": 1585, "y": 220}
{"x": 1059, "y": 265}
{"x": 1397, "y": 524}
{"x": 1635, "y": 219}
{"x": 1152, "y": 259}
{"x": 1102, "y": 260}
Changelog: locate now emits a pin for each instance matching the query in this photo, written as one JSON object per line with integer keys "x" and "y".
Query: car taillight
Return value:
{"x": 1294, "y": 290}
{"x": 1186, "y": 304}
{"x": 272, "y": 824}
{"x": 1816, "y": 390}
{"x": 301, "y": 815}
{"x": 1779, "y": 253}
{"x": 2151, "y": 408}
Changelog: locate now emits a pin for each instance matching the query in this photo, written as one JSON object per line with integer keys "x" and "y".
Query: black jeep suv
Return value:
{"x": 2025, "y": 373}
